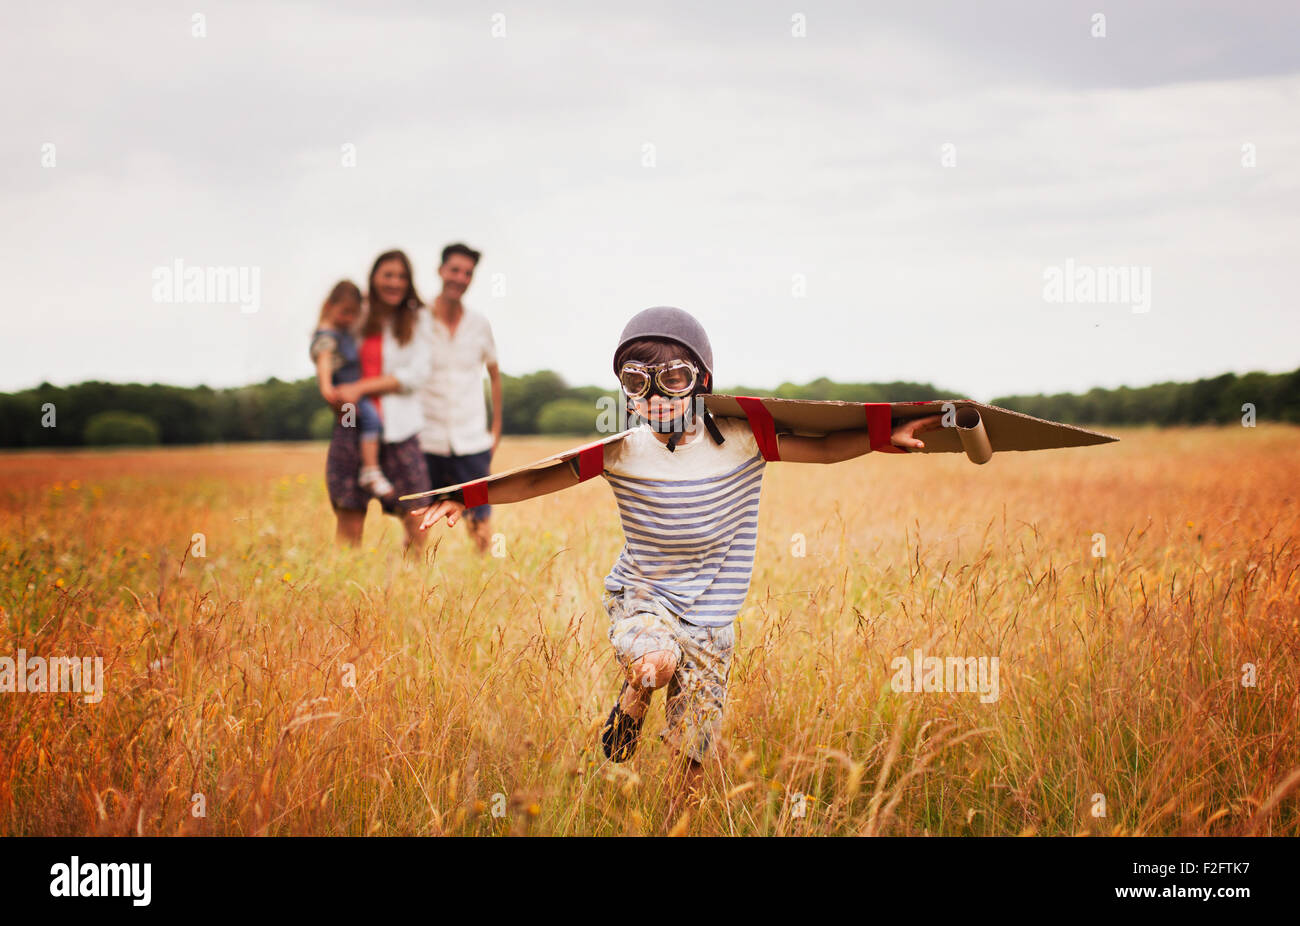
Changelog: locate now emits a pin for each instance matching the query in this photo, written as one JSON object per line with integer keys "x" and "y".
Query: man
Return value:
{"x": 455, "y": 440}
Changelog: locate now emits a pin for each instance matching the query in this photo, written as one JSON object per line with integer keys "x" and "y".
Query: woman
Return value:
{"x": 395, "y": 360}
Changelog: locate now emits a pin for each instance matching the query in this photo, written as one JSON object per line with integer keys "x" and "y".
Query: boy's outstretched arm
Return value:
{"x": 514, "y": 488}
{"x": 845, "y": 445}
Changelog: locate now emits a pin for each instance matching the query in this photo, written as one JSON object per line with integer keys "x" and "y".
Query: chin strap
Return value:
{"x": 713, "y": 428}
{"x": 708, "y": 423}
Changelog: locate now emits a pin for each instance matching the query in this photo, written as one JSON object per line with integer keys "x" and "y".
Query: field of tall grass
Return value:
{"x": 278, "y": 685}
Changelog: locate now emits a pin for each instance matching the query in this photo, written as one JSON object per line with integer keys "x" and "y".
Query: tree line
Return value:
{"x": 98, "y": 413}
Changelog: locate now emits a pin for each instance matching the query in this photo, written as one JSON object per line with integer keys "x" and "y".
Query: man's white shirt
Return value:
{"x": 455, "y": 413}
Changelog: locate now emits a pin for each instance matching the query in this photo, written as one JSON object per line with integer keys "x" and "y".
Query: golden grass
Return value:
{"x": 481, "y": 683}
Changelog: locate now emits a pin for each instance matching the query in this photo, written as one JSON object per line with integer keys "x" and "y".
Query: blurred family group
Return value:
{"x": 406, "y": 382}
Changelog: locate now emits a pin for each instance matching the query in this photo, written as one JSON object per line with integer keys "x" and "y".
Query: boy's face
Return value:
{"x": 657, "y": 408}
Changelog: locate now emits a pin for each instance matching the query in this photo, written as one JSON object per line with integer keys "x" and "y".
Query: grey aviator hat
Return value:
{"x": 674, "y": 325}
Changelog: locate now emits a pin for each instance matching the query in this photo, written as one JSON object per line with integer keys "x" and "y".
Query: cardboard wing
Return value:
{"x": 976, "y": 429}
{"x": 591, "y": 462}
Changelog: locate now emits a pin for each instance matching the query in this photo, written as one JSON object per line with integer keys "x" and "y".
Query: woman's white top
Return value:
{"x": 411, "y": 364}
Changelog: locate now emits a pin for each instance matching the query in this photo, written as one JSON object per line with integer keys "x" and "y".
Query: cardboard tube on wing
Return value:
{"x": 974, "y": 439}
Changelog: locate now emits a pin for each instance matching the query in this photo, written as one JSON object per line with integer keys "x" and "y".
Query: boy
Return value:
{"x": 687, "y": 488}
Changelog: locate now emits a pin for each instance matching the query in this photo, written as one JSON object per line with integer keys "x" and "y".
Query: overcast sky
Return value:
{"x": 798, "y": 202}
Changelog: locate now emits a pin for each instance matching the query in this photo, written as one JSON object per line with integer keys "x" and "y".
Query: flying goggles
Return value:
{"x": 672, "y": 380}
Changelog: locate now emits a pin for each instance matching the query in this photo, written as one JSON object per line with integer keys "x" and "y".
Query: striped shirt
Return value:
{"x": 690, "y": 519}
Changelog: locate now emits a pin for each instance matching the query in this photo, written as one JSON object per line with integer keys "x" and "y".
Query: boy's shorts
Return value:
{"x": 640, "y": 624}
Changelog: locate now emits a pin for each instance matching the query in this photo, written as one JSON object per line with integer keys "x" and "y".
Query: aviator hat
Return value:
{"x": 674, "y": 324}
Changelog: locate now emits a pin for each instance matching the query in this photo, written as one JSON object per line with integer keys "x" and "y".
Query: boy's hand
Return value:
{"x": 449, "y": 508}
{"x": 905, "y": 434}
{"x": 329, "y": 394}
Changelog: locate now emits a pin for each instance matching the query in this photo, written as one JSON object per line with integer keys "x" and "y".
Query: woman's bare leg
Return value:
{"x": 350, "y": 525}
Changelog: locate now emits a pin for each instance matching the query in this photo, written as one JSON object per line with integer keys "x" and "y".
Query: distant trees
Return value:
{"x": 125, "y": 428}
{"x": 542, "y": 403}
{"x": 322, "y": 423}
{"x": 58, "y": 416}
{"x": 568, "y": 416}
{"x": 1218, "y": 400}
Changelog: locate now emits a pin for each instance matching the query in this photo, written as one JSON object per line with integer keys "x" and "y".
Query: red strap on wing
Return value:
{"x": 475, "y": 494}
{"x": 760, "y": 422}
{"x": 880, "y": 427}
{"x": 591, "y": 461}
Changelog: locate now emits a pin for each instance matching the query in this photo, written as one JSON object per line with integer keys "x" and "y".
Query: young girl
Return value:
{"x": 338, "y": 360}
{"x": 687, "y": 489}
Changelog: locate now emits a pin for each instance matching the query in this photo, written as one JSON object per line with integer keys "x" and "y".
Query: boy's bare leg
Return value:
{"x": 651, "y": 671}
{"x": 623, "y": 728}
{"x": 636, "y": 700}
{"x": 645, "y": 676}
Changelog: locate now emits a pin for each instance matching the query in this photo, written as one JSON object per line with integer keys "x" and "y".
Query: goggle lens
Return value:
{"x": 676, "y": 379}
{"x": 636, "y": 383}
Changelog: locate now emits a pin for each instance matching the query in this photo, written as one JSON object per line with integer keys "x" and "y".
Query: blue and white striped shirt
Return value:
{"x": 690, "y": 520}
